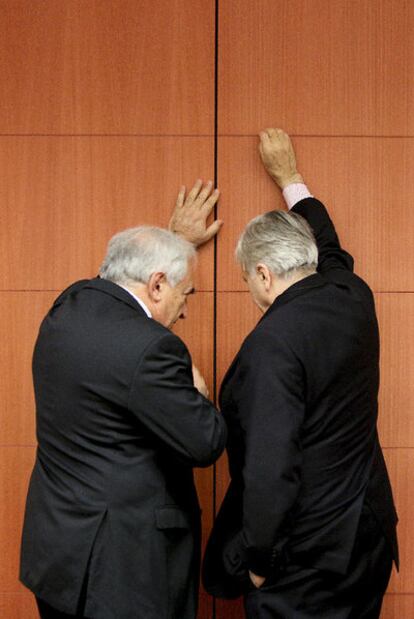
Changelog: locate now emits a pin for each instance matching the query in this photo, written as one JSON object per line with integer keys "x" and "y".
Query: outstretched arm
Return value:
{"x": 278, "y": 156}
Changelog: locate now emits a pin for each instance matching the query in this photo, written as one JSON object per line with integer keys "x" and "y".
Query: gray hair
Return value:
{"x": 284, "y": 242}
{"x": 133, "y": 255}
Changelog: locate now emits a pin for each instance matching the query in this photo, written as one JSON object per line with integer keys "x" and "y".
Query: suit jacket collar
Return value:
{"x": 116, "y": 291}
{"x": 107, "y": 287}
{"x": 299, "y": 288}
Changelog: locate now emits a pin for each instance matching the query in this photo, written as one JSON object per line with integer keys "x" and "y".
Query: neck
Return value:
{"x": 280, "y": 285}
{"x": 140, "y": 291}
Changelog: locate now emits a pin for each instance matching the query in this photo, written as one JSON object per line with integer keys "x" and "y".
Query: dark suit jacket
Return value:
{"x": 120, "y": 426}
{"x": 300, "y": 401}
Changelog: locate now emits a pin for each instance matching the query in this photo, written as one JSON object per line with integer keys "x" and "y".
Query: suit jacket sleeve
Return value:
{"x": 165, "y": 401}
{"x": 331, "y": 255}
{"x": 271, "y": 406}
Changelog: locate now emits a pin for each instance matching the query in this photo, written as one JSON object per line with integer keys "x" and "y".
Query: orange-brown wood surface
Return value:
{"x": 398, "y": 607}
{"x": 106, "y": 108}
{"x": 341, "y": 67}
{"x": 64, "y": 197}
{"x": 112, "y": 67}
{"x": 197, "y": 332}
{"x": 21, "y": 314}
{"x": 371, "y": 210}
{"x": 400, "y": 463}
{"x": 396, "y": 402}
{"x": 16, "y": 464}
{"x": 18, "y": 606}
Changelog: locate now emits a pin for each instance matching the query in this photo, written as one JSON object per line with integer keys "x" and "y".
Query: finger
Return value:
{"x": 180, "y": 197}
{"x": 204, "y": 193}
{"x": 264, "y": 136}
{"x": 261, "y": 149}
{"x": 213, "y": 229}
{"x": 194, "y": 191}
{"x": 209, "y": 204}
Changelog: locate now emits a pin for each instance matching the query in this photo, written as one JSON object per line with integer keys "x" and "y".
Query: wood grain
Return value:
{"x": 15, "y": 468}
{"x": 398, "y": 606}
{"x": 63, "y": 198}
{"x": 396, "y": 402}
{"x": 230, "y": 609}
{"x": 22, "y": 313}
{"x": 400, "y": 463}
{"x": 113, "y": 67}
{"x": 366, "y": 184}
{"x": 317, "y": 67}
{"x": 18, "y": 606}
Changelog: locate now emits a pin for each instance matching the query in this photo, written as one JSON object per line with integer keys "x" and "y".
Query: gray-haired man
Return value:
{"x": 112, "y": 525}
{"x": 307, "y": 528}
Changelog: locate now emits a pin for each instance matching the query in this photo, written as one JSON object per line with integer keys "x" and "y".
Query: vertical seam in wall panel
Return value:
{"x": 216, "y": 65}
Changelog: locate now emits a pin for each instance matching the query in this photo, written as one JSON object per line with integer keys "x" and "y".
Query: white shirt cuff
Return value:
{"x": 294, "y": 193}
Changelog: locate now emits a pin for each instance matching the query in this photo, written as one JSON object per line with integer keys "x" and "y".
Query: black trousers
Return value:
{"x": 307, "y": 593}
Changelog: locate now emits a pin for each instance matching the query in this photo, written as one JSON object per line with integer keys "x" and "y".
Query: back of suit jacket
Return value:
{"x": 300, "y": 400}
{"x": 112, "y": 504}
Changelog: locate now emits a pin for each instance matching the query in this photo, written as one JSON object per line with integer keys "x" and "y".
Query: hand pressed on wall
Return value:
{"x": 189, "y": 218}
{"x": 278, "y": 157}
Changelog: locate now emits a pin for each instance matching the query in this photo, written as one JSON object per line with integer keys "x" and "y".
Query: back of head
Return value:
{"x": 284, "y": 242}
{"x": 133, "y": 255}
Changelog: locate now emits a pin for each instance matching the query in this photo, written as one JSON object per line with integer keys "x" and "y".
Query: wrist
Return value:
{"x": 285, "y": 181}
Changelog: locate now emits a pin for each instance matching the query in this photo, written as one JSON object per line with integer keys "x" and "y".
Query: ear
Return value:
{"x": 264, "y": 275}
{"x": 155, "y": 286}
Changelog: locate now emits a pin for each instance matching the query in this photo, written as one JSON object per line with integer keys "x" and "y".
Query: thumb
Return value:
{"x": 213, "y": 230}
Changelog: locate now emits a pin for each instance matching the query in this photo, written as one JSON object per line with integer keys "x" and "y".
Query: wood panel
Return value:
{"x": 398, "y": 607}
{"x": 64, "y": 197}
{"x": 396, "y": 402}
{"x": 15, "y": 468}
{"x": 366, "y": 184}
{"x": 400, "y": 463}
{"x": 197, "y": 332}
{"x": 230, "y": 609}
{"x": 18, "y": 606}
{"x": 22, "y": 313}
{"x": 317, "y": 67}
{"x": 113, "y": 67}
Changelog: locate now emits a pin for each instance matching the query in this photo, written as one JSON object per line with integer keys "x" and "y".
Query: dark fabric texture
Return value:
{"x": 120, "y": 427}
{"x": 306, "y": 593}
{"x": 300, "y": 401}
{"x": 48, "y": 612}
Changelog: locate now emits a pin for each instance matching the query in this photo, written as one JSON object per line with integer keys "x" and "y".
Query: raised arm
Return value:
{"x": 279, "y": 160}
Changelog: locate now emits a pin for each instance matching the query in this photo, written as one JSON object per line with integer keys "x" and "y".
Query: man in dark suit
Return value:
{"x": 112, "y": 523}
{"x": 307, "y": 527}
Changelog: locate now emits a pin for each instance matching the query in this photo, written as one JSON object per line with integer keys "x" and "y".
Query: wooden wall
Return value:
{"x": 108, "y": 106}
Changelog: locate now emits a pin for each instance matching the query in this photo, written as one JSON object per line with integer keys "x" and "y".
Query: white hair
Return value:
{"x": 284, "y": 242}
{"x": 133, "y": 255}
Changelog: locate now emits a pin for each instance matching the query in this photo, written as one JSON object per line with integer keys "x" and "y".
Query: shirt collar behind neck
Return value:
{"x": 139, "y": 301}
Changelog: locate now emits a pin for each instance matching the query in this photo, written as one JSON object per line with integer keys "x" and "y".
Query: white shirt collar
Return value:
{"x": 138, "y": 300}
